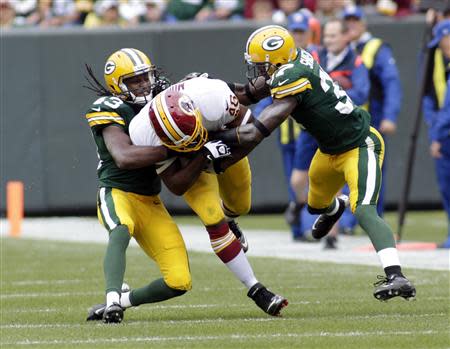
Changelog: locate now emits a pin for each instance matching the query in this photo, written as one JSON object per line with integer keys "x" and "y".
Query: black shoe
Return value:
{"x": 306, "y": 237}
{"x": 324, "y": 222}
{"x": 393, "y": 286}
{"x": 236, "y": 230}
{"x": 330, "y": 243}
{"x": 292, "y": 213}
{"x": 96, "y": 312}
{"x": 113, "y": 314}
{"x": 269, "y": 302}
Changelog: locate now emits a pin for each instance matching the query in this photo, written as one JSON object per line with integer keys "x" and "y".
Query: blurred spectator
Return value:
{"x": 285, "y": 8}
{"x": 327, "y": 9}
{"x": 385, "y": 95}
{"x": 84, "y": 7}
{"x": 394, "y": 7}
{"x": 436, "y": 109}
{"x": 7, "y": 14}
{"x": 184, "y": 10}
{"x": 106, "y": 13}
{"x": 221, "y": 9}
{"x": 24, "y": 7}
{"x": 260, "y": 10}
{"x": 55, "y": 13}
{"x": 153, "y": 11}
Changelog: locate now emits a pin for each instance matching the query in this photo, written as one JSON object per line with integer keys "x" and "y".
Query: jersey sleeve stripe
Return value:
{"x": 101, "y": 113}
{"x": 293, "y": 90}
{"x": 283, "y": 88}
{"x": 102, "y": 121}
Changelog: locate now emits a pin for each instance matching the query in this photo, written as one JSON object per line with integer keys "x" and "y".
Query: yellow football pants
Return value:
{"x": 360, "y": 168}
{"x": 152, "y": 227}
{"x": 233, "y": 187}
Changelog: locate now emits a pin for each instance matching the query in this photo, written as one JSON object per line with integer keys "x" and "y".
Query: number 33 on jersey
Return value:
{"x": 323, "y": 107}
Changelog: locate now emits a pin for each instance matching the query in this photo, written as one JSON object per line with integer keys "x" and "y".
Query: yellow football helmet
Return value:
{"x": 124, "y": 65}
{"x": 267, "y": 49}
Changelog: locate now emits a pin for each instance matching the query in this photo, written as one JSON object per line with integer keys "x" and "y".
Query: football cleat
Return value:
{"x": 323, "y": 224}
{"x": 96, "y": 312}
{"x": 330, "y": 243}
{"x": 113, "y": 314}
{"x": 292, "y": 213}
{"x": 269, "y": 302}
{"x": 236, "y": 230}
{"x": 393, "y": 286}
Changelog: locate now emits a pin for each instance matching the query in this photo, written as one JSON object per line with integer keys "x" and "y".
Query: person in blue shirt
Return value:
{"x": 385, "y": 95}
{"x": 299, "y": 26}
{"x": 345, "y": 67}
{"x": 436, "y": 110}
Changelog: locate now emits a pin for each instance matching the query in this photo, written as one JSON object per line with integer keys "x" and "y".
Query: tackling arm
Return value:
{"x": 129, "y": 156}
{"x": 245, "y": 138}
{"x": 251, "y": 93}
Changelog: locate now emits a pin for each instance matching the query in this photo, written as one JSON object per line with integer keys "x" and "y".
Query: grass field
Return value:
{"x": 47, "y": 287}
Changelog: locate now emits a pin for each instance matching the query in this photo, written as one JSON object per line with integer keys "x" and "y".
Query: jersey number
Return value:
{"x": 112, "y": 102}
{"x": 326, "y": 83}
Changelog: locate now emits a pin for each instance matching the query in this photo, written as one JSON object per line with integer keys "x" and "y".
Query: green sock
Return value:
{"x": 379, "y": 232}
{"x": 155, "y": 291}
{"x": 115, "y": 258}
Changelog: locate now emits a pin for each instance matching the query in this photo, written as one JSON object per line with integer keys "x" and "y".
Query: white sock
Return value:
{"x": 388, "y": 256}
{"x": 112, "y": 297}
{"x": 125, "y": 300}
{"x": 241, "y": 268}
{"x": 336, "y": 208}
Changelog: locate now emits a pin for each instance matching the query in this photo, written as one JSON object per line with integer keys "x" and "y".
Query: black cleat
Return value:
{"x": 324, "y": 222}
{"x": 292, "y": 213}
{"x": 96, "y": 312}
{"x": 113, "y": 314}
{"x": 393, "y": 286}
{"x": 269, "y": 302}
{"x": 236, "y": 230}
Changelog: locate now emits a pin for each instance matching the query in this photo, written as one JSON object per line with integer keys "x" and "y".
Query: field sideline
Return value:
{"x": 47, "y": 286}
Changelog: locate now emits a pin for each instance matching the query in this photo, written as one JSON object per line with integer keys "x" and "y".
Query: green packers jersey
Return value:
{"x": 107, "y": 111}
{"x": 323, "y": 108}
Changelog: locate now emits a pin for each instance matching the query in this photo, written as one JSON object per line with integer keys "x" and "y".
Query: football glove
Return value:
{"x": 216, "y": 150}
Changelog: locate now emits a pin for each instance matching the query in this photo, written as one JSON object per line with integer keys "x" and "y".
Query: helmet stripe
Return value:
{"x": 164, "y": 122}
{"x": 132, "y": 56}
{"x": 171, "y": 120}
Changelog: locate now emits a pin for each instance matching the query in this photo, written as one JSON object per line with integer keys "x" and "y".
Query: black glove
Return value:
{"x": 216, "y": 150}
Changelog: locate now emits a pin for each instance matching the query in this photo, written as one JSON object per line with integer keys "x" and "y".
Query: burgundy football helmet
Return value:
{"x": 177, "y": 122}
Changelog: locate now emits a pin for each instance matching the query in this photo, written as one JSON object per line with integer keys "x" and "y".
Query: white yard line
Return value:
{"x": 263, "y": 243}
{"x": 225, "y": 337}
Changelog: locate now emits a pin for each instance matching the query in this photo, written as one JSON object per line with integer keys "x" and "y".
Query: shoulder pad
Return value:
{"x": 105, "y": 110}
{"x": 290, "y": 79}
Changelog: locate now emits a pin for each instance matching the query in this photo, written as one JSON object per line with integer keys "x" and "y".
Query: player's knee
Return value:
{"x": 363, "y": 213}
{"x": 240, "y": 207}
{"x": 179, "y": 278}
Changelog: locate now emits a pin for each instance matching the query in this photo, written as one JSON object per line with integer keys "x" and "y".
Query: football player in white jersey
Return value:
{"x": 180, "y": 118}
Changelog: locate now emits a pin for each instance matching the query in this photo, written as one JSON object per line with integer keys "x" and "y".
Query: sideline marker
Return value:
{"x": 14, "y": 206}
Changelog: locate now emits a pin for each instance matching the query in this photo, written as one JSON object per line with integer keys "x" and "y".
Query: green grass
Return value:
{"x": 47, "y": 287}
{"x": 427, "y": 226}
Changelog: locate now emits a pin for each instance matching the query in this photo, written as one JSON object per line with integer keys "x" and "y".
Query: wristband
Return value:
{"x": 261, "y": 128}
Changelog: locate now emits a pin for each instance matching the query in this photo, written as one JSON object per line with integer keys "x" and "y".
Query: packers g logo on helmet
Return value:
{"x": 273, "y": 43}
{"x": 267, "y": 49}
{"x": 110, "y": 66}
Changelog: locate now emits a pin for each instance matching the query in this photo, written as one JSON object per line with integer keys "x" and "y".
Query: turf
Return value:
{"x": 47, "y": 287}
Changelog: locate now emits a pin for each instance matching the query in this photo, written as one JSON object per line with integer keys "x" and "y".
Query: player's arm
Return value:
{"x": 183, "y": 173}
{"x": 251, "y": 93}
{"x": 243, "y": 139}
{"x": 129, "y": 156}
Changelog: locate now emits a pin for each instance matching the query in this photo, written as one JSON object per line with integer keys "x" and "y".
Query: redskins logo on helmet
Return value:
{"x": 267, "y": 49}
{"x": 177, "y": 122}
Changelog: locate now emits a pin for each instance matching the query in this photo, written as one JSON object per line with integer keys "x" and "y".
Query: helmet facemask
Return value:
{"x": 137, "y": 87}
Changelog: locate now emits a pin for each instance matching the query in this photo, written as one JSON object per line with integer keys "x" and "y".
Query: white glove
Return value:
{"x": 216, "y": 150}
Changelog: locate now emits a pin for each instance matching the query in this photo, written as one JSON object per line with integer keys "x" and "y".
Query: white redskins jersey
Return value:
{"x": 216, "y": 102}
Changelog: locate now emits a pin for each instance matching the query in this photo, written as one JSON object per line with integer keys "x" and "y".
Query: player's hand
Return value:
{"x": 216, "y": 150}
{"x": 387, "y": 127}
{"x": 435, "y": 150}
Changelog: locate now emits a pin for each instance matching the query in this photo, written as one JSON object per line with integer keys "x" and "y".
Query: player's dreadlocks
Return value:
{"x": 94, "y": 84}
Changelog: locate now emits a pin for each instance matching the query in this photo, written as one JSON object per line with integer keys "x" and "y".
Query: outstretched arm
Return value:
{"x": 251, "y": 93}
{"x": 245, "y": 138}
{"x": 129, "y": 156}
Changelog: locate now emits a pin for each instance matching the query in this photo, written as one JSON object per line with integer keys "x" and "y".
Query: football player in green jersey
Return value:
{"x": 128, "y": 202}
{"x": 350, "y": 151}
